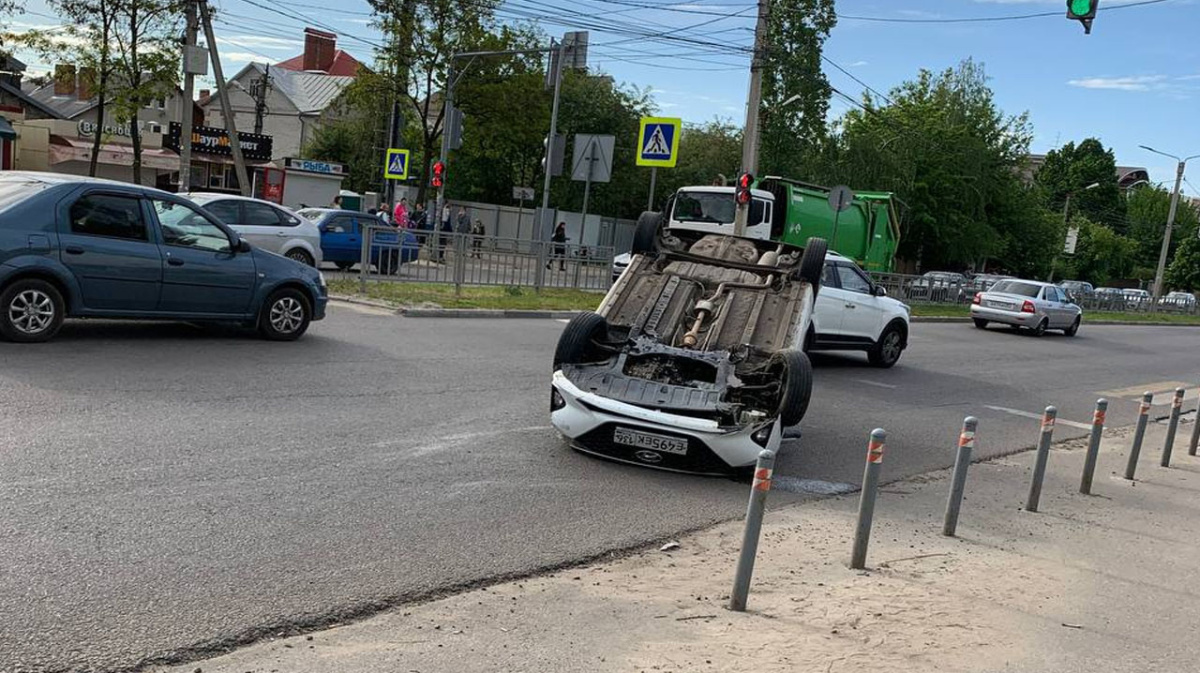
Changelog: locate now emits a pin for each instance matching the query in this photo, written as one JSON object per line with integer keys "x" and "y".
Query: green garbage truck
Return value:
{"x": 792, "y": 212}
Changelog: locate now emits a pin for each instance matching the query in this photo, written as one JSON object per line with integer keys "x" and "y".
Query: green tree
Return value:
{"x": 146, "y": 60}
{"x": 795, "y": 90}
{"x": 1184, "y": 271}
{"x": 1071, "y": 169}
{"x": 1101, "y": 254}
{"x": 1148, "y": 209}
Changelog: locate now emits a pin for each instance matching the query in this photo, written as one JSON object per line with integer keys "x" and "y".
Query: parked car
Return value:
{"x": 693, "y": 361}
{"x": 266, "y": 225}
{"x": 1137, "y": 298}
{"x": 1109, "y": 298}
{"x": 1183, "y": 300}
{"x": 1078, "y": 289}
{"x": 341, "y": 239}
{"x": 619, "y": 264}
{"x": 87, "y": 248}
{"x": 1027, "y": 303}
{"x": 982, "y": 282}
{"x": 939, "y": 286}
{"x": 853, "y": 313}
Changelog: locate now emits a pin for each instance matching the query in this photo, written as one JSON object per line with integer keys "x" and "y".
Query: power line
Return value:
{"x": 851, "y": 76}
{"x": 989, "y": 19}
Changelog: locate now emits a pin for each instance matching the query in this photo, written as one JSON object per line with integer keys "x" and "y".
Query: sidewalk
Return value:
{"x": 1101, "y": 583}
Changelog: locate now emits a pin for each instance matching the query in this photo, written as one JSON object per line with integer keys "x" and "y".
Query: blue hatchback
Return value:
{"x": 87, "y": 248}
{"x": 341, "y": 239}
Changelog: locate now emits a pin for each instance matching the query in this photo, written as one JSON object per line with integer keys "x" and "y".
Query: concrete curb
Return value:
{"x": 535, "y": 314}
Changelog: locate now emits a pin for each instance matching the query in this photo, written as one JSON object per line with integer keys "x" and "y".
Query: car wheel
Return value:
{"x": 1040, "y": 330}
{"x": 33, "y": 311}
{"x": 886, "y": 351}
{"x": 577, "y": 343}
{"x": 813, "y": 261}
{"x": 285, "y": 315}
{"x": 797, "y": 386}
{"x": 301, "y": 255}
{"x": 344, "y": 266}
{"x": 981, "y": 323}
{"x": 1074, "y": 328}
{"x": 645, "y": 237}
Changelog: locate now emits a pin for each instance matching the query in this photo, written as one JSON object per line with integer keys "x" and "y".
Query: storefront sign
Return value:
{"x": 209, "y": 140}
{"x": 87, "y": 128}
{"x": 310, "y": 166}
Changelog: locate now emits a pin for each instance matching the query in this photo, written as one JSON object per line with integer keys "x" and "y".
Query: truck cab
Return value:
{"x": 712, "y": 209}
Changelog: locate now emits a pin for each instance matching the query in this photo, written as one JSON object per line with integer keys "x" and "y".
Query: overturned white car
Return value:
{"x": 693, "y": 361}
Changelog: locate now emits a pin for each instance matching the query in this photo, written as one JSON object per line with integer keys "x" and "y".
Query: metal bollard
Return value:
{"x": 1093, "y": 452}
{"x": 1176, "y": 407}
{"x": 1135, "y": 451}
{"x": 754, "y": 516}
{"x": 966, "y": 442}
{"x": 866, "y": 503}
{"x": 1195, "y": 432}
{"x": 1039, "y": 465}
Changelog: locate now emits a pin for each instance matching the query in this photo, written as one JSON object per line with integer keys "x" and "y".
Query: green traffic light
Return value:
{"x": 1081, "y": 7}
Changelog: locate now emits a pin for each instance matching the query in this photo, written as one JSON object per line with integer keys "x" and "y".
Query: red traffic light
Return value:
{"x": 745, "y": 183}
{"x": 439, "y": 173}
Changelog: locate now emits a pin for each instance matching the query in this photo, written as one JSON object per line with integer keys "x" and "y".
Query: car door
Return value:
{"x": 863, "y": 311}
{"x": 340, "y": 239}
{"x": 202, "y": 273}
{"x": 260, "y": 224}
{"x": 107, "y": 244}
{"x": 829, "y": 311}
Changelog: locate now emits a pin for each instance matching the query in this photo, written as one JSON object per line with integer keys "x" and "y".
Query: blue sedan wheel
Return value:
{"x": 285, "y": 315}
{"x": 32, "y": 311}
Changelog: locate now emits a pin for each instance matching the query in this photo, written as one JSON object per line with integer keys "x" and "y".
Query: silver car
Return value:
{"x": 267, "y": 226}
{"x": 1027, "y": 303}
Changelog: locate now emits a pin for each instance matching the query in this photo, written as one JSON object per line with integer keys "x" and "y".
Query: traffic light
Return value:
{"x": 1083, "y": 11}
{"x": 439, "y": 174}
{"x": 744, "y": 184}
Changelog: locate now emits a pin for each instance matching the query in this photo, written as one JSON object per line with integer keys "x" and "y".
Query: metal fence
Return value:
{"x": 466, "y": 259}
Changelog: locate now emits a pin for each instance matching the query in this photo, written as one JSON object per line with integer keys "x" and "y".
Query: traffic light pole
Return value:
{"x": 557, "y": 65}
{"x": 753, "y": 105}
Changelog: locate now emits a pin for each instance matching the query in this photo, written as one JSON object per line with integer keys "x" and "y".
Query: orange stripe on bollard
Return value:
{"x": 1098, "y": 418}
{"x": 1047, "y": 423}
{"x": 1178, "y": 403}
{"x": 762, "y": 480}
{"x": 875, "y": 452}
{"x": 1145, "y": 408}
{"x": 967, "y": 439}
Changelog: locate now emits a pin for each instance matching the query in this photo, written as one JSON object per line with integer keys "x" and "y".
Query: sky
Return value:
{"x": 1134, "y": 81}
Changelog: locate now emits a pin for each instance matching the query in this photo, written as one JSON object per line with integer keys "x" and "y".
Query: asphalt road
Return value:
{"x": 166, "y": 490}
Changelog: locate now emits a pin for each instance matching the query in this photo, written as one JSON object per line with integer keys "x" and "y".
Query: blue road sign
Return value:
{"x": 658, "y": 142}
{"x": 396, "y": 166}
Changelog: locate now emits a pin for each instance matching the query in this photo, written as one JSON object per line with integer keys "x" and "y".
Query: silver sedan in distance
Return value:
{"x": 1031, "y": 304}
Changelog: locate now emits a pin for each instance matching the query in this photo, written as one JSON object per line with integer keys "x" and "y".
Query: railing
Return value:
{"x": 468, "y": 259}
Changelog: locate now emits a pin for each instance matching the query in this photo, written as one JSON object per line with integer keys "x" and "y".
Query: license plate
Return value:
{"x": 999, "y": 304}
{"x": 647, "y": 440}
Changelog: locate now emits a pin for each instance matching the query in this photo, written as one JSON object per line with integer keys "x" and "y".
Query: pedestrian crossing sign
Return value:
{"x": 396, "y": 166}
{"x": 658, "y": 143}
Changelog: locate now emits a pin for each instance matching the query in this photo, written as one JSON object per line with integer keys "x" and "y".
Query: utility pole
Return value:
{"x": 753, "y": 106}
{"x": 1166, "y": 244}
{"x": 235, "y": 144}
{"x": 259, "y": 89}
{"x": 556, "y": 64}
{"x": 188, "y": 120}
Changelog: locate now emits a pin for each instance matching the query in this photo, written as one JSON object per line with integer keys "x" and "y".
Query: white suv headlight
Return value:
{"x": 321, "y": 280}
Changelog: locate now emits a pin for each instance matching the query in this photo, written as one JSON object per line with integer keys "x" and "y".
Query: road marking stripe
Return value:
{"x": 1029, "y": 414}
{"x": 877, "y": 384}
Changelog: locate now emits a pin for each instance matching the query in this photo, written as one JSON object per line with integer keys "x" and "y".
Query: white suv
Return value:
{"x": 854, "y": 313}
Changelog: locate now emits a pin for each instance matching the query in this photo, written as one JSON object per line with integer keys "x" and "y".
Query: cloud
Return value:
{"x": 1136, "y": 83}
{"x": 260, "y": 42}
{"x": 857, "y": 64}
{"x": 361, "y": 22}
{"x": 668, "y": 106}
{"x": 240, "y": 57}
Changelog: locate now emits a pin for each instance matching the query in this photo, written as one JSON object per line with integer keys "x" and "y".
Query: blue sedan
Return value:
{"x": 87, "y": 248}
{"x": 341, "y": 239}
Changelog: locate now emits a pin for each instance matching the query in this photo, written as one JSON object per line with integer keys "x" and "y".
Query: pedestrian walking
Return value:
{"x": 400, "y": 217}
{"x": 385, "y": 213}
{"x": 477, "y": 234}
{"x": 447, "y": 231}
{"x": 560, "y": 246}
{"x": 419, "y": 222}
{"x": 464, "y": 221}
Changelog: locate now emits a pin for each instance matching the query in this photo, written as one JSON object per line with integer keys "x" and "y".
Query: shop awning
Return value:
{"x": 6, "y": 130}
{"x": 63, "y": 149}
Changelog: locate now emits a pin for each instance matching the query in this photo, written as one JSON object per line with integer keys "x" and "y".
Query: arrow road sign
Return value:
{"x": 396, "y": 166}
{"x": 658, "y": 142}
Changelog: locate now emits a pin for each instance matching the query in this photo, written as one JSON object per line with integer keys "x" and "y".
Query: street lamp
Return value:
{"x": 1067, "y": 224}
{"x": 1166, "y": 244}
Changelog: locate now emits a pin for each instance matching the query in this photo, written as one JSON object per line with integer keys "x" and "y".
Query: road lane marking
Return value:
{"x": 1156, "y": 387}
{"x": 1030, "y": 414}
{"x": 876, "y": 384}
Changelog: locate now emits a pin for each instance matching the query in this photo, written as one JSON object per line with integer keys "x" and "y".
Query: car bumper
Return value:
{"x": 589, "y": 422}
{"x": 1006, "y": 317}
{"x": 320, "y": 304}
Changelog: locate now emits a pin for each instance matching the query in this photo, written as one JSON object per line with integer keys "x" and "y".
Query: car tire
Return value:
{"x": 301, "y": 255}
{"x": 645, "y": 237}
{"x": 1074, "y": 328}
{"x": 285, "y": 315}
{"x": 344, "y": 266}
{"x": 31, "y": 311}
{"x": 812, "y": 263}
{"x": 980, "y": 323}
{"x": 1040, "y": 330}
{"x": 797, "y": 386}
{"x": 887, "y": 350}
{"x": 577, "y": 343}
